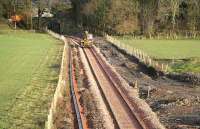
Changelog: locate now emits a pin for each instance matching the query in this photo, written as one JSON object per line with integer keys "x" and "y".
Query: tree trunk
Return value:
{"x": 39, "y": 17}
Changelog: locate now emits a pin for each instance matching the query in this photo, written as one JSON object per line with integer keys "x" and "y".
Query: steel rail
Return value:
{"x": 121, "y": 93}
{"x": 74, "y": 99}
{"x": 113, "y": 84}
{"x": 101, "y": 91}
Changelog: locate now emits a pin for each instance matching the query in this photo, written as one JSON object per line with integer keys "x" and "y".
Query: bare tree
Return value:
{"x": 147, "y": 16}
{"x": 174, "y": 5}
{"x": 193, "y": 15}
{"x": 41, "y": 5}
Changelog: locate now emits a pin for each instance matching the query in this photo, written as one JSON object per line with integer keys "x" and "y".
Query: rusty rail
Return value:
{"x": 144, "y": 118}
{"x": 133, "y": 122}
{"x": 74, "y": 99}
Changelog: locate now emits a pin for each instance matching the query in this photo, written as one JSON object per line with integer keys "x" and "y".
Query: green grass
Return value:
{"x": 166, "y": 49}
{"x": 172, "y": 50}
{"x": 29, "y": 65}
{"x": 188, "y": 65}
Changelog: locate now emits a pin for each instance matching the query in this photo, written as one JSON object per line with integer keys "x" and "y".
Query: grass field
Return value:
{"x": 182, "y": 55}
{"x": 29, "y": 66}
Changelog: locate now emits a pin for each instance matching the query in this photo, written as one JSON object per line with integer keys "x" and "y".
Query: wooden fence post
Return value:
{"x": 166, "y": 69}
{"x": 150, "y": 62}
{"x": 162, "y": 67}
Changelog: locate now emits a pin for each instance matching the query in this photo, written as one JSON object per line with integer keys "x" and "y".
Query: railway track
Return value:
{"x": 109, "y": 85}
{"x": 76, "y": 107}
{"x": 124, "y": 110}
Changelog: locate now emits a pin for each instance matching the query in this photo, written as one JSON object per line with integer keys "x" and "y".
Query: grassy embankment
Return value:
{"x": 181, "y": 55}
{"x": 29, "y": 66}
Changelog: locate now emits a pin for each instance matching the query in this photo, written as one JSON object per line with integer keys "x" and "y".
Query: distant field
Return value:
{"x": 29, "y": 67}
{"x": 166, "y": 49}
{"x": 185, "y": 54}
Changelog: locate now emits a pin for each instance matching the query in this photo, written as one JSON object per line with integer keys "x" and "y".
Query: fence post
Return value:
{"x": 148, "y": 92}
{"x": 132, "y": 51}
{"x": 136, "y": 52}
{"x": 166, "y": 68}
{"x": 161, "y": 66}
{"x": 150, "y": 62}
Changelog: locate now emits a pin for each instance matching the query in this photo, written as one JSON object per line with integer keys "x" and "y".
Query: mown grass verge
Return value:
{"x": 29, "y": 65}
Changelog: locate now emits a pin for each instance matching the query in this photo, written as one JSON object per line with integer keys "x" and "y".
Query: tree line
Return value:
{"x": 135, "y": 17}
{"x": 139, "y": 17}
{"x": 28, "y": 10}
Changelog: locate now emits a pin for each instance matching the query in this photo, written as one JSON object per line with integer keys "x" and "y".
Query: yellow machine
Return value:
{"x": 87, "y": 40}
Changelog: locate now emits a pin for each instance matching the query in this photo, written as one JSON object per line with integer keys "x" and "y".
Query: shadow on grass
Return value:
{"x": 56, "y": 69}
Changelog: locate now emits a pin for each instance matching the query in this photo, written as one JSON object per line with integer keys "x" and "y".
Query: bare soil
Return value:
{"x": 63, "y": 116}
{"x": 176, "y": 103}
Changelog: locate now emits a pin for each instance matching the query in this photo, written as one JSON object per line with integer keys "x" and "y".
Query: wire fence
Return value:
{"x": 139, "y": 54}
{"x": 59, "y": 93}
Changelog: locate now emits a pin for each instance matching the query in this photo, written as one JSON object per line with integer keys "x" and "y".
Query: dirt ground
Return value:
{"x": 176, "y": 103}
